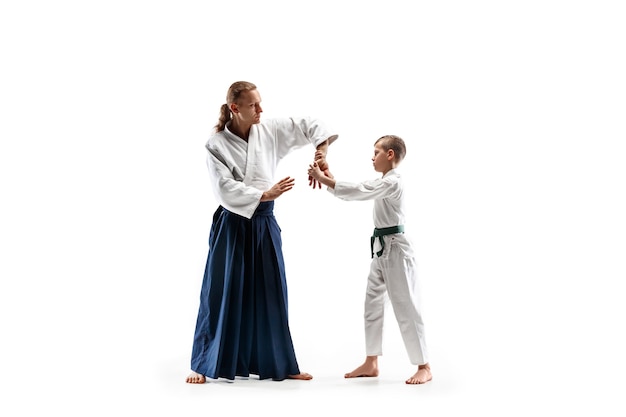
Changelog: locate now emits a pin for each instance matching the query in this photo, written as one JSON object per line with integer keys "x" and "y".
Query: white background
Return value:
{"x": 514, "y": 118}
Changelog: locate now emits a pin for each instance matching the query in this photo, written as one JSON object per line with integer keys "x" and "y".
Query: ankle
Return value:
{"x": 372, "y": 360}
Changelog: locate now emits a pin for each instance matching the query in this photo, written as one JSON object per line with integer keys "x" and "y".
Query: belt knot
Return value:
{"x": 379, "y": 233}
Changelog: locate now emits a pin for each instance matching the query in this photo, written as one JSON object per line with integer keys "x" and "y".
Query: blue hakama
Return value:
{"x": 242, "y": 326}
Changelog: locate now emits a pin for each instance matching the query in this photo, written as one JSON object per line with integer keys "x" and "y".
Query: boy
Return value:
{"x": 393, "y": 266}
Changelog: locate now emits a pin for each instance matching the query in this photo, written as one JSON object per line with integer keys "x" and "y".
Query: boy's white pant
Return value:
{"x": 394, "y": 275}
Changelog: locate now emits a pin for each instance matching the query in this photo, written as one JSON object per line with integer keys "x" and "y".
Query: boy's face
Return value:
{"x": 382, "y": 159}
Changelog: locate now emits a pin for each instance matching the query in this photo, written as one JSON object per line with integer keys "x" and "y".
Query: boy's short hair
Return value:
{"x": 393, "y": 142}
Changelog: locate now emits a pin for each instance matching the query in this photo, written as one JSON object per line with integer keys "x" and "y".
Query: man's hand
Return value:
{"x": 278, "y": 189}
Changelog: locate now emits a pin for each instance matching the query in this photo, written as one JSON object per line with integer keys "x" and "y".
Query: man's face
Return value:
{"x": 248, "y": 107}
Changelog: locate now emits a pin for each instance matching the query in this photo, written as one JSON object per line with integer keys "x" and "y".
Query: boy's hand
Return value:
{"x": 315, "y": 172}
{"x": 313, "y": 182}
{"x": 321, "y": 177}
{"x": 320, "y": 162}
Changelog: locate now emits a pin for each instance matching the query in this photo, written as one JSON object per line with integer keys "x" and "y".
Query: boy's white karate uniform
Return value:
{"x": 394, "y": 273}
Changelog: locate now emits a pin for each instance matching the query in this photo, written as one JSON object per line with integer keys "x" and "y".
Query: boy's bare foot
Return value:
{"x": 301, "y": 375}
{"x": 369, "y": 368}
{"x": 422, "y": 376}
{"x": 196, "y": 378}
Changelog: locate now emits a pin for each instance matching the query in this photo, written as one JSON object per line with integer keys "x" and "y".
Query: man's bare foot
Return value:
{"x": 422, "y": 376}
{"x": 196, "y": 378}
{"x": 369, "y": 368}
{"x": 301, "y": 375}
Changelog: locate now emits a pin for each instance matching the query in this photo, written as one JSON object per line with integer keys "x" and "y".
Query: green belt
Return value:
{"x": 379, "y": 233}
